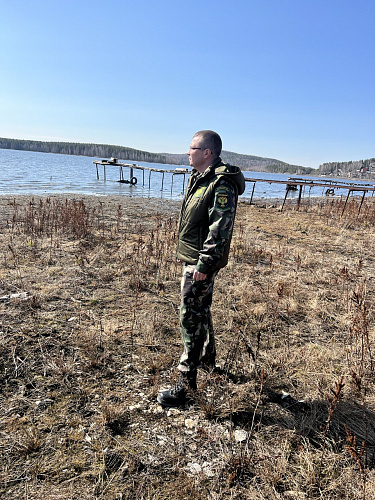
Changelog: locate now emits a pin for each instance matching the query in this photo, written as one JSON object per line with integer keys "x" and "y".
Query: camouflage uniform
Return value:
{"x": 196, "y": 321}
{"x": 205, "y": 231}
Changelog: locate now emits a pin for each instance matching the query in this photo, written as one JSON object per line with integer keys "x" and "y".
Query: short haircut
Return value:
{"x": 210, "y": 140}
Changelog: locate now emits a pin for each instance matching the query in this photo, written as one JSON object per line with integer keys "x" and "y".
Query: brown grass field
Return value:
{"x": 89, "y": 334}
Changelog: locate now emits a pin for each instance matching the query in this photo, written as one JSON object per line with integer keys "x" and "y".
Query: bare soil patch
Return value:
{"x": 89, "y": 334}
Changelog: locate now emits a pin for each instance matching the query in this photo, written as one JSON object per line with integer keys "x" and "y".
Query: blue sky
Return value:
{"x": 287, "y": 79}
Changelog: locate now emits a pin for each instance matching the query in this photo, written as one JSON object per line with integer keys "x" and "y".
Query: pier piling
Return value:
{"x": 292, "y": 184}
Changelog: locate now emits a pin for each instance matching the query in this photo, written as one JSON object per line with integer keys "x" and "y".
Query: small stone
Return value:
{"x": 207, "y": 469}
{"x": 190, "y": 423}
{"x": 135, "y": 407}
{"x": 173, "y": 412}
{"x": 240, "y": 435}
{"x": 194, "y": 467}
{"x": 226, "y": 434}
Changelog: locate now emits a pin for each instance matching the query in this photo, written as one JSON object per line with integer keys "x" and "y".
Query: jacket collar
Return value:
{"x": 209, "y": 170}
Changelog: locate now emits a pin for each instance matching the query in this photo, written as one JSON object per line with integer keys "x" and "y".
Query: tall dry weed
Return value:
{"x": 82, "y": 359}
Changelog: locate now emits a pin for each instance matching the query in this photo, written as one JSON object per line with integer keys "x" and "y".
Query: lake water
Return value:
{"x": 26, "y": 172}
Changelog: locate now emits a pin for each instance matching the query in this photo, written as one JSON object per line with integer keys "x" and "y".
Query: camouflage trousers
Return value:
{"x": 196, "y": 321}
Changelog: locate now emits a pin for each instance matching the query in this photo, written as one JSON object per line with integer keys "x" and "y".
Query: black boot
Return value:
{"x": 180, "y": 394}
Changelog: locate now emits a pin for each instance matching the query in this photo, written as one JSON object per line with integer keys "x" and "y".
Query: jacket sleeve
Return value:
{"x": 221, "y": 219}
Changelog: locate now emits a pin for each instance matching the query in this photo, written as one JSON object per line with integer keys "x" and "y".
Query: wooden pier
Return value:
{"x": 329, "y": 187}
{"x": 133, "y": 166}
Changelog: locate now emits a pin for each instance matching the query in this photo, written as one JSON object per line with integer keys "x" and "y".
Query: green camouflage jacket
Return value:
{"x": 207, "y": 216}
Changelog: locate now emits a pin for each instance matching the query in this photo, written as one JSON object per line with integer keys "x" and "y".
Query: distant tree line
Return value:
{"x": 260, "y": 164}
{"x": 249, "y": 162}
{"x": 285, "y": 168}
{"x": 81, "y": 149}
{"x": 360, "y": 168}
{"x": 246, "y": 162}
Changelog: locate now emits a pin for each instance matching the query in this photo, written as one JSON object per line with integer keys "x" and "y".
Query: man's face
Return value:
{"x": 197, "y": 154}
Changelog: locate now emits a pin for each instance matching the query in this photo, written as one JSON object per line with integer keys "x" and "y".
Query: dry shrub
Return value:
{"x": 84, "y": 355}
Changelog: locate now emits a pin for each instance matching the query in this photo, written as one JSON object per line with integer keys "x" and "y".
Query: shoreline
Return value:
{"x": 112, "y": 199}
{"x": 150, "y": 203}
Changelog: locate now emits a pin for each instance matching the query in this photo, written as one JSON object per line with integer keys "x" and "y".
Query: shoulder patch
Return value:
{"x": 222, "y": 198}
{"x": 199, "y": 192}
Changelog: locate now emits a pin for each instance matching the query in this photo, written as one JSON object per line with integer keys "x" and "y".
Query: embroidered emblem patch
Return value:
{"x": 200, "y": 191}
{"x": 222, "y": 199}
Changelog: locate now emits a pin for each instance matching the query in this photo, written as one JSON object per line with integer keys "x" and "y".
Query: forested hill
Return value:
{"x": 360, "y": 168}
{"x": 246, "y": 162}
{"x": 81, "y": 149}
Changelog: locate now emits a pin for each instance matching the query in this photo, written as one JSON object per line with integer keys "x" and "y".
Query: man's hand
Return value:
{"x": 197, "y": 276}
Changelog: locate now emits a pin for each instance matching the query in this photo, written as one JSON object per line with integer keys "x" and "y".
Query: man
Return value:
{"x": 205, "y": 231}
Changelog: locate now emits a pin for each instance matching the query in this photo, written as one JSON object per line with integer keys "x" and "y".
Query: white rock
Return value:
{"x": 172, "y": 412}
{"x": 240, "y": 435}
{"x": 135, "y": 407}
{"x": 190, "y": 423}
{"x": 226, "y": 434}
{"x": 194, "y": 467}
{"x": 207, "y": 469}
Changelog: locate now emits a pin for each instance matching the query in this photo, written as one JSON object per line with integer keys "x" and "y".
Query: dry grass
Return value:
{"x": 84, "y": 354}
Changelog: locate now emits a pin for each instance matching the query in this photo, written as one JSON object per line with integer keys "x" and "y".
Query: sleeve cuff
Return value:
{"x": 201, "y": 267}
